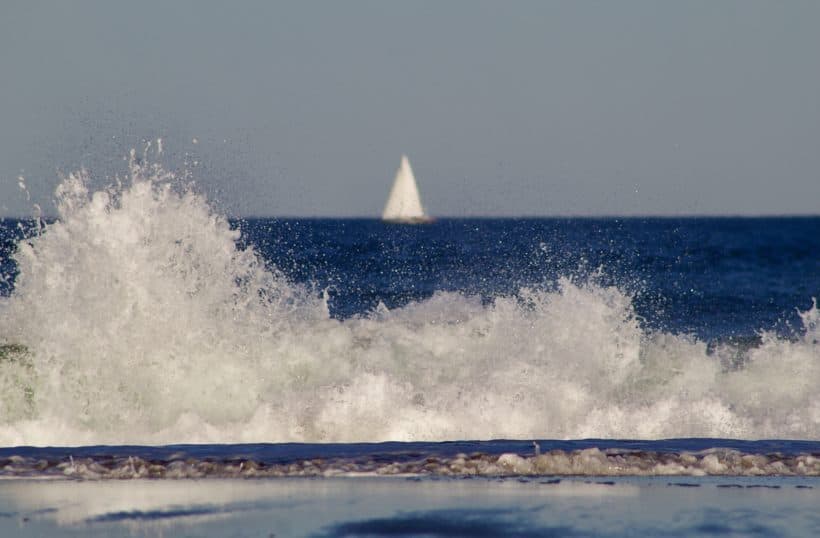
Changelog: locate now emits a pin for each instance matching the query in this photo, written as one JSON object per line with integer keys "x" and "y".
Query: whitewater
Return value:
{"x": 140, "y": 316}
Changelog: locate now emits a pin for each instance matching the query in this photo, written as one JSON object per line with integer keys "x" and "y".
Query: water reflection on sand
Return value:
{"x": 342, "y": 507}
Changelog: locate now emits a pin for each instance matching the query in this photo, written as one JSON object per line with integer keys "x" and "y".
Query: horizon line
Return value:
{"x": 525, "y": 216}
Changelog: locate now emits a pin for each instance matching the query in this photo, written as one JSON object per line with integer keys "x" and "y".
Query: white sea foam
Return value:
{"x": 144, "y": 323}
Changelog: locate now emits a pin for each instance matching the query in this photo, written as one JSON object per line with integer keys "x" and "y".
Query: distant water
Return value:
{"x": 141, "y": 317}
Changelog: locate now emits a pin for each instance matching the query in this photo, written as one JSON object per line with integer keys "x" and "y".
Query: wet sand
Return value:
{"x": 374, "y": 506}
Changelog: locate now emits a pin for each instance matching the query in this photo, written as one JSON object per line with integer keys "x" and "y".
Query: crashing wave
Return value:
{"x": 136, "y": 318}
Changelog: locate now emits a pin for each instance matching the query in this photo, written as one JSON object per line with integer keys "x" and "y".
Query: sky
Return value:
{"x": 304, "y": 108}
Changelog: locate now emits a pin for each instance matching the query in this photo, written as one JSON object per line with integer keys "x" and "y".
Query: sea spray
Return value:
{"x": 136, "y": 318}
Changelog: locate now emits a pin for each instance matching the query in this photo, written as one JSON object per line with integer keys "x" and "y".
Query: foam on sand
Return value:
{"x": 585, "y": 462}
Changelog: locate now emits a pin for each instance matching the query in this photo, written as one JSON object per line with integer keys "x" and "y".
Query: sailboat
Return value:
{"x": 404, "y": 205}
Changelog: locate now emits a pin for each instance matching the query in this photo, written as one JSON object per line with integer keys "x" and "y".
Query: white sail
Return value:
{"x": 404, "y": 204}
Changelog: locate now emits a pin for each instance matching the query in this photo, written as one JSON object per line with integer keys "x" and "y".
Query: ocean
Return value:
{"x": 468, "y": 377}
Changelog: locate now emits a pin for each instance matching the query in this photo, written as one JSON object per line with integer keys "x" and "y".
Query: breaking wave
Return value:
{"x": 136, "y": 318}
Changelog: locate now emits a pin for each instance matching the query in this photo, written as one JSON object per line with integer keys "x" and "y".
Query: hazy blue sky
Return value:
{"x": 504, "y": 108}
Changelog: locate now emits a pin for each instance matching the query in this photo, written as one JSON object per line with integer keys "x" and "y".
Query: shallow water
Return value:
{"x": 593, "y": 457}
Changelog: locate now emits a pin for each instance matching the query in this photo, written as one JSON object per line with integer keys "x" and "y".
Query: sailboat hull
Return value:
{"x": 410, "y": 220}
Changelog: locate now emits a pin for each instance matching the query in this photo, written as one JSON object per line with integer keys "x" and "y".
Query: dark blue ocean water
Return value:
{"x": 713, "y": 277}
{"x": 286, "y": 453}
